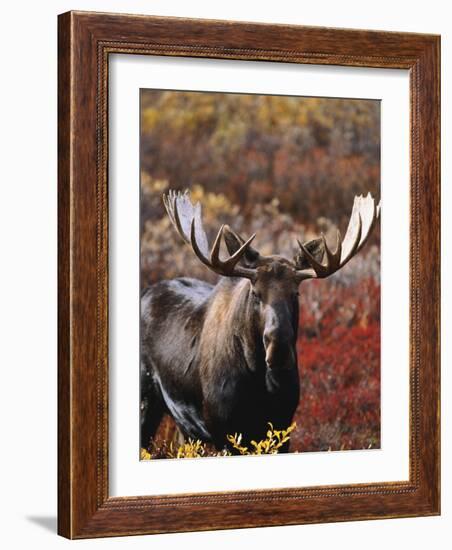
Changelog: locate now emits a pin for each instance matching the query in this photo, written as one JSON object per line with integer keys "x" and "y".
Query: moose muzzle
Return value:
{"x": 279, "y": 340}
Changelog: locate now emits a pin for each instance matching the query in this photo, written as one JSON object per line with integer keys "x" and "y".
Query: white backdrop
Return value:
{"x": 28, "y": 269}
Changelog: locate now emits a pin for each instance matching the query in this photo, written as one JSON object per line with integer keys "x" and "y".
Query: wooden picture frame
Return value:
{"x": 85, "y": 42}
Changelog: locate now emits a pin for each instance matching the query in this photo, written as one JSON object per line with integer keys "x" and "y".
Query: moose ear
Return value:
{"x": 316, "y": 248}
{"x": 234, "y": 242}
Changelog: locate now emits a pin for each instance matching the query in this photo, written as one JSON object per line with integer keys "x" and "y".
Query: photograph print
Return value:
{"x": 260, "y": 274}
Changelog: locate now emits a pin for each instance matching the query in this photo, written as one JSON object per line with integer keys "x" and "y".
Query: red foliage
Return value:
{"x": 339, "y": 363}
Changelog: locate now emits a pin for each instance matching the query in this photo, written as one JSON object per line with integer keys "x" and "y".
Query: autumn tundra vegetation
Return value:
{"x": 286, "y": 169}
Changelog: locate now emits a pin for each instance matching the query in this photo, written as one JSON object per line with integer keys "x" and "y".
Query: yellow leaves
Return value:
{"x": 145, "y": 455}
{"x": 197, "y": 449}
{"x": 150, "y": 118}
{"x": 178, "y": 111}
{"x": 225, "y": 118}
{"x": 191, "y": 449}
{"x": 271, "y": 445}
{"x": 235, "y": 440}
{"x": 214, "y": 205}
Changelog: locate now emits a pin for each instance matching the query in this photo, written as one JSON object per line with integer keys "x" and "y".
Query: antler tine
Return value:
{"x": 186, "y": 219}
{"x": 171, "y": 207}
{"x": 232, "y": 261}
{"x": 215, "y": 254}
{"x": 166, "y": 202}
{"x": 175, "y": 211}
{"x": 370, "y": 212}
{"x": 362, "y": 220}
{"x": 354, "y": 236}
{"x": 229, "y": 267}
{"x": 171, "y": 203}
{"x": 333, "y": 259}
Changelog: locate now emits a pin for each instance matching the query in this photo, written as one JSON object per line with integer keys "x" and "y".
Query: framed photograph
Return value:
{"x": 248, "y": 275}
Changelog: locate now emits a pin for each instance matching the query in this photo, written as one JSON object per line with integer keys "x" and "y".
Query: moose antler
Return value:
{"x": 362, "y": 219}
{"x": 186, "y": 218}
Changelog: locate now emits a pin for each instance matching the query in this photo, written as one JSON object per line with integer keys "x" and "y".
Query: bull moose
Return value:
{"x": 221, "y": 359}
